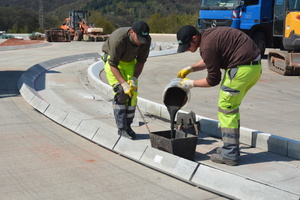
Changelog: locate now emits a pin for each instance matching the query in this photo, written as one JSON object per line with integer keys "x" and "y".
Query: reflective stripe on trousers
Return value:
{"x": 123, "y": 115}
{"x": 236, "y": 83}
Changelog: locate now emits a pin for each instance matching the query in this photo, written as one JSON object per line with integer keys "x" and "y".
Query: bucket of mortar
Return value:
{"x": 175, "y": 94}
{"x": 175, "y": 97}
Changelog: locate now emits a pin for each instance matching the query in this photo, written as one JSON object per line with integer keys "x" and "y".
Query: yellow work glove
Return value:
{"x": 184, "y": 72}
{"x": 187, "y": 83}
{"x": 127, "y": 89}
{"x": 132, "y": 83}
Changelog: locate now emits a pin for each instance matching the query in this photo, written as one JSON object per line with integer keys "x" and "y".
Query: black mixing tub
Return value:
{"x": 174, "y": 141}
{"x": 183, "y": 145}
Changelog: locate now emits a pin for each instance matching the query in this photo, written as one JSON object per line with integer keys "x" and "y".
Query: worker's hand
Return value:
{"x": 184, "y": 72}
{"x": 187, "y": 83}
{"x": 132, "y": 83}
{"x": 128, "y": 89}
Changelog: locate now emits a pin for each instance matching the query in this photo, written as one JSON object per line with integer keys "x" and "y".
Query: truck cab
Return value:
{"x": 254, "y": 17}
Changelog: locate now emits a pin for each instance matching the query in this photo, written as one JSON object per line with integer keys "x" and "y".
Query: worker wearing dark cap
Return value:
{"x": 231, "y": 50}
{"x": 125, "y": 53}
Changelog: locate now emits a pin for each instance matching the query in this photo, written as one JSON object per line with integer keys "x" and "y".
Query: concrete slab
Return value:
{"x": 130, "y": 148}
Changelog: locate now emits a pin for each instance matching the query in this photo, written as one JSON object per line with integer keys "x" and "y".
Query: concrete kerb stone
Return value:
{"x": 106, "y": 137}
{"x": 130, "y": 148}
{"x": 169, "y": 163}
{"x": 88, "y": 128}
{"x": 26, "y": 92}
{"x": 26, "y": 86}
{"x": 35, "y": 101}
{"x": 94, "y": 78}
{"x": 56, "y": 114}
{"x": 42, "y": 107}
{"x": 272, "y": 143}
{"x": 71, "y": 122}
{"x": 240, "y": 187}
{"x": 293, "y": 149}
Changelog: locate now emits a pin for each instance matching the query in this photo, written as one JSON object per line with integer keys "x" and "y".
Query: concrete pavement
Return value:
{"x": 261, "y": 174}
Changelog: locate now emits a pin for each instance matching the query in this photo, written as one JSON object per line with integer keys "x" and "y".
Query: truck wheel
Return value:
{"x": 78, "y": 35}
{"x": 259, "y": 39}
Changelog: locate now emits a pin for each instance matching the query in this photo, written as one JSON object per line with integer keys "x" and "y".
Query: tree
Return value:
{"x": 99, "y": 21}
{"x": 157, "y": 23}
{"x": 170, "y": 24}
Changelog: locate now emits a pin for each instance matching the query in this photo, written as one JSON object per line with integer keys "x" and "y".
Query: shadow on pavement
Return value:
{"x": 9, "y": 83}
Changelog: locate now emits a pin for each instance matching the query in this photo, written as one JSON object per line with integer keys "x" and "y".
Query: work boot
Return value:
{"x": 217, "y": 158}
{"x": 124, "y": 133}
{"x": 131, "y": 132}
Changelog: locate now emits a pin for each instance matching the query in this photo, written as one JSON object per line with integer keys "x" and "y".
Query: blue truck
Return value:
{"x": 270, "y": 23}
{"x": 254, "y": 17}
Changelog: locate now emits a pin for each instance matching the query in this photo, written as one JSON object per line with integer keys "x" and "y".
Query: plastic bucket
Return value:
{"x": 175, "y": 95}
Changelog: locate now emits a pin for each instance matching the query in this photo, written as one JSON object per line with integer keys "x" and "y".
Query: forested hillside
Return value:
{"x": 163, "y": 16}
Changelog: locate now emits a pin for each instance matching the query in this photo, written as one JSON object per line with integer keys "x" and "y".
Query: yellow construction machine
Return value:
{"x": 286, "y": 25}
{"x": 76, "y": 27}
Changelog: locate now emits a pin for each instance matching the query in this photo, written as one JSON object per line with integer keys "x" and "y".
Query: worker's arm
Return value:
{"x": 198, "y": 66}
{"x": 192, "y": 68}
{"x": 201, "y": 83}
{"x": 138, "y": 69}
{"x": 196, "y": 83}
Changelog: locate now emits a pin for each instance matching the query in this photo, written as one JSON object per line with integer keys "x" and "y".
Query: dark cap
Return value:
{"x": 141, "y": 29}
{"x": 184, "y": 37}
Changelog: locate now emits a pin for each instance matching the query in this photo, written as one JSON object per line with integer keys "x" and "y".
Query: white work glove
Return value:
{"x": 187, "y": 83}
{"x": 184, "y": 72}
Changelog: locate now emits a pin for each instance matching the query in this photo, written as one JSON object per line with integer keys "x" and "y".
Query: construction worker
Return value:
{"x": 125, "y": 53}
{"x": 236, "y": 53}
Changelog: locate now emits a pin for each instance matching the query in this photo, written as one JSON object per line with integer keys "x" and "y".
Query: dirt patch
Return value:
{"x": 18, "y": 42}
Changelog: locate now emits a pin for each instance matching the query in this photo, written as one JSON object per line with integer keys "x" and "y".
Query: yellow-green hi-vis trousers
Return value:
{"x": 123, "y": 106}
{"x": 235, "y": 84}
